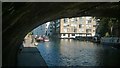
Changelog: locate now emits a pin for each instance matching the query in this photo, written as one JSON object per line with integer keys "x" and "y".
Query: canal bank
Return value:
{"x": 29, "y": 56}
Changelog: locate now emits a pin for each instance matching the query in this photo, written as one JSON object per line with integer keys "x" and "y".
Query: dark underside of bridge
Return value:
{"x": 20, "y": 18}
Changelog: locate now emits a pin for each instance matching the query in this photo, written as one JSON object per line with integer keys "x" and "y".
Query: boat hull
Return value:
{"x": 46, "y": 40}
{"x": 110, "y": 41}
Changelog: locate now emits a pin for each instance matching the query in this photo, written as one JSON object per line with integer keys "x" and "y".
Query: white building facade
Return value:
{"x": 43, "y": 29}
{"x": 78, "y": 26}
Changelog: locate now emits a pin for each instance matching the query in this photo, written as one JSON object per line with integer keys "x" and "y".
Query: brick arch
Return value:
{"x": 20, "y": 18}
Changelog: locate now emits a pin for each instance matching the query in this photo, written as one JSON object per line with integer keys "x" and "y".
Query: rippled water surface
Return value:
{"x": 68, "y": 52}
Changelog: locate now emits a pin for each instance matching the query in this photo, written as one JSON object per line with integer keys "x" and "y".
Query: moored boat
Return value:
{"x": 39, "y": 38}
{"x": 45, "y": 39}
{"x": 110, "y": 41}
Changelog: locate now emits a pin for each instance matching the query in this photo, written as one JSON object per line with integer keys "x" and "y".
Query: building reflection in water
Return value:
{"x": 76, "y": 53}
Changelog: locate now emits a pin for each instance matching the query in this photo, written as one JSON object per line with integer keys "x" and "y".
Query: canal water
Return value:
{"x": 68, "y": 52}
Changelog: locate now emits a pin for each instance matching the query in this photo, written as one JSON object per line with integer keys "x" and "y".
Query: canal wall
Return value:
{"x": 29, "y": 55}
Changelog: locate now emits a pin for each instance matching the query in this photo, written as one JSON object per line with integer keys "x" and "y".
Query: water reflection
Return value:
{"x": 67, "y": 52}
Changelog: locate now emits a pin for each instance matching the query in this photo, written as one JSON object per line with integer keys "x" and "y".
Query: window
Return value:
{"x": 88, "y": 30}
{"x": 51, "y": 31}
{"x": 65, "y": 26}
{"x": 75, "y": 29}
{"x": 65, "y": 30}
{"x": 80, "y": 25}
{"x": 88, "y": 26}
{"x": 89, "y": 21}
{"x": 94, "y": 25}
{"x": 72, "y": 19}
{"x": 73, "y": 34}
{"x": 57, "y": 21}
{"x": 65, "y": 20}
{"x": 51, "y": 27}
{"x": 63, "y": 34}
{"x": 68, "y": 29}
{"x": 68, "y": 25}
{"x": 75, "y": 19}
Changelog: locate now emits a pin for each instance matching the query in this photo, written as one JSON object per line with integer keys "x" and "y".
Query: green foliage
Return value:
{"x": 106, "y": 26}
{"x": 103, "y": 26}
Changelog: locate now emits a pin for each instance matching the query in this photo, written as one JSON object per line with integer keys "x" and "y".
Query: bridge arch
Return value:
{"x": 20, "y": 18}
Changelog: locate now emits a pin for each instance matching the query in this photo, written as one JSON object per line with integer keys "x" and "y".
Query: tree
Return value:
{"x": 108, "y": 25}
{"x": 103, "y": 27}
